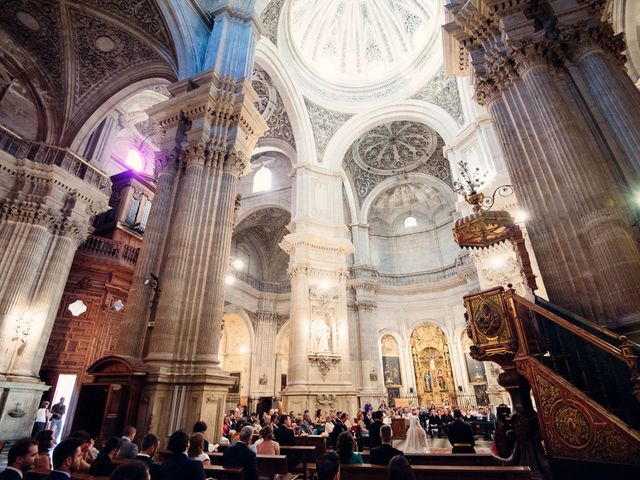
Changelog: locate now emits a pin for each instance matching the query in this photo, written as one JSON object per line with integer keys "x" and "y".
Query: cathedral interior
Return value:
{"x": 323, "y": 204}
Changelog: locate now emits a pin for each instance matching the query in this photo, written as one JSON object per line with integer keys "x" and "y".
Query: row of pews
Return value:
{"x": 299, "y": 461}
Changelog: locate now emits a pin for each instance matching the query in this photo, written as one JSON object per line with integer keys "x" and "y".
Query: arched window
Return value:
{"x": 262, "y": 180}
{"x": 410, "y": 222}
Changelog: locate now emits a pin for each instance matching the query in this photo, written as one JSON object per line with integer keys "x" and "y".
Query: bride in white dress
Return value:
{"x": 416, "y": 438}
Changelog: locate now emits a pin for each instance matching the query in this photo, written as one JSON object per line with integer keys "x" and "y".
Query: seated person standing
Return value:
{"x": 21, "y": 458}
{"x": 128, "y": 449}
{"x": 179, "y": 466}
{"x": 240, "y": 455}
{"x": 149, "y": 447}
{"x": 103, "y": 466}
{"x": 328, "y": 466}
{"x": 384, "y": 453}
{"x": 461, "y": 435}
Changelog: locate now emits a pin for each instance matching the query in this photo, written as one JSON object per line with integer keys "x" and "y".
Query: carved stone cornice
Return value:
{"x": 324, "y": 362}
{"x": 324, "y": 295}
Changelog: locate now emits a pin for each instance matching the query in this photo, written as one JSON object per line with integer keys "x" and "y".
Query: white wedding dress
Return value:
{"x": 416, "y": 438}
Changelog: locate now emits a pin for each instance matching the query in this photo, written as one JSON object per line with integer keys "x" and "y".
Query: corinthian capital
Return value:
{"x": 580, "y": 40}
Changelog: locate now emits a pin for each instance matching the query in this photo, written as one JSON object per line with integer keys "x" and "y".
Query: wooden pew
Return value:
{"x": 437, "y": 472}
{"x": 268, "y": 465}
{"x": 223, "y": 473}
{"x": 457, "y": 460}
{"x": 300, "y": 458}
{"x": 38, "y": 473}
{"x": 318, "y": 441}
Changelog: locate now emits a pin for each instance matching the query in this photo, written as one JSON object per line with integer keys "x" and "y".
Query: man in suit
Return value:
{"x": 66, "y": 459}
{"x": 339, "y": 427}
{"x": 127, "y": 449}
{"x": 179, "y": 466}
{"x": 461, "y": 435}
{"x": 446, "y": 419}
{"x": 435, "y": 423}
{"x": 240, "y": 455}
{"x": 21, "y": 458}
{"x": 374, "y": 430}
{"x": 385, "y": 452}
{"x": 149, "y": 448}
{"x": 283, "y": 434}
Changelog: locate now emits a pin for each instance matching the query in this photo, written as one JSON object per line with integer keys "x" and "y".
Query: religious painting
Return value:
{"x": 432, "y": 364}
{"x": 391, "y": 369}
{"x": 235, "y": 388}
{"x": 482, "y": 397}
{"x": 392, "y": 394}
{"x": 475, "y": 369}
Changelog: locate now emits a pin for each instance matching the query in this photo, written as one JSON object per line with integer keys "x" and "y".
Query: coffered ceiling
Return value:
{"x": 76, "y": 54}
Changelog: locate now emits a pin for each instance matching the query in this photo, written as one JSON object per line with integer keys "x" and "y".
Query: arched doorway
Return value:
{"x": 432, "y": 366}
{"x": 236, "y": 348}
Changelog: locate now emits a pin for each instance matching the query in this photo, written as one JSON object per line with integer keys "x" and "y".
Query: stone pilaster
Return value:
{"x": 45, "y": 213}
{"x": 320, "y": 373}
{"x": 580, "y": 221}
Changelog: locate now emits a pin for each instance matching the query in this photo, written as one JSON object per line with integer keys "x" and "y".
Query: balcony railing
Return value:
{"x": 417, "y": 278}
{"x": 110, "y": 248}
{"x": 47, "y": 154}
{"x": 261, "y": 286}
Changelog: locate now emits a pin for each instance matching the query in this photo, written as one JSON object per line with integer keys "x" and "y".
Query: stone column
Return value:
{"x": 210, "y": 127}
{"x": 45, "y": 213}
{"x": 580, "y": 222}
{"x": 597, "y": 53}
{"x": 138, "y": 306}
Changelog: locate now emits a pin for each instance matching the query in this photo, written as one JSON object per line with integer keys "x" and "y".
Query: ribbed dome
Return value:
{"x": 354, "y": 42}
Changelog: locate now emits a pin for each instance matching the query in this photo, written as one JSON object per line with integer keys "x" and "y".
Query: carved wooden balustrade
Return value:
{"x": 584, "y": 379}
{"x": 110, "y": 248}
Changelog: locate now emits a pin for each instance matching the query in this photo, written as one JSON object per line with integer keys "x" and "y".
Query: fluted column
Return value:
{"x": 263, "y": 361}
{"x": 580, "y": 225}
{"x": 45, "y": 213}
{"x": 137, "y": 310}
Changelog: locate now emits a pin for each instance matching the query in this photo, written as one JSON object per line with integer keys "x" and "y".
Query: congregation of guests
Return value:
{"x": 122, "y": 459}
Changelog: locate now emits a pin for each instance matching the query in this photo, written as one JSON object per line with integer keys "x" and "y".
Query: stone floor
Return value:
{"x": 442, "y": 445}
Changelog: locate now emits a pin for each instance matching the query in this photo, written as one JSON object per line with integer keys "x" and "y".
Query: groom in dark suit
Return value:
{"x": 21, "y": 458}
{"x": 239, "y": 455}
{"x": 384, "y": 453}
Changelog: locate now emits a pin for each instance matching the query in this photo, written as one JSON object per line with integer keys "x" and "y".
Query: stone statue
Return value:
{"x": 320, "y": 335}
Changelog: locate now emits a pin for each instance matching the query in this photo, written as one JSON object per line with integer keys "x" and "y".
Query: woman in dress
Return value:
{"x": 345, "y": 447}
{"x": 416, "y": 438}
{"x": 42, "y": 418}
{"x": 266, "y": 445}
{"x": 196, "y": 449}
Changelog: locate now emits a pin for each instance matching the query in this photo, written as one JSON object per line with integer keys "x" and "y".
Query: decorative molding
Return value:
{"x": 442, "y": 90}
{"x": 269, "y": 18}
{"x": 324, "y": 362}
{"x": 324, "y": 123}
{"x": 271, "y": 107}
{"x": 326, "y": 400}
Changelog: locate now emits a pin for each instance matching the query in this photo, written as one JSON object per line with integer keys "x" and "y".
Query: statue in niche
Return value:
{"x": 441, "y": 383}
{"x": 321, "y": 333}
{"x": 428, "y": 381}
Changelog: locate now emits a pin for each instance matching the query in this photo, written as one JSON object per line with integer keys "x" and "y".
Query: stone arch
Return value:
{"x": 266, "y": 56}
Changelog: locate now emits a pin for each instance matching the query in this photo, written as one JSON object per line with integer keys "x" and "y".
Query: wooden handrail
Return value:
{"x": 589, "y": 337}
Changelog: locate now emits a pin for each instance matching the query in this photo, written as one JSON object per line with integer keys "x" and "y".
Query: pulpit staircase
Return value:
{"x": 584, "y": 380}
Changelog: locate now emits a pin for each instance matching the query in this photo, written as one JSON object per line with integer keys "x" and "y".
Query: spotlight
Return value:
{"x": 237, "y": 264}
{"x": 229, "y": 279}
{"x": 135, "y": 160}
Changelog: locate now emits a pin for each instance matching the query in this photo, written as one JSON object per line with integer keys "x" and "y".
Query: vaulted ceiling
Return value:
{"x": 76, "y": 54}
